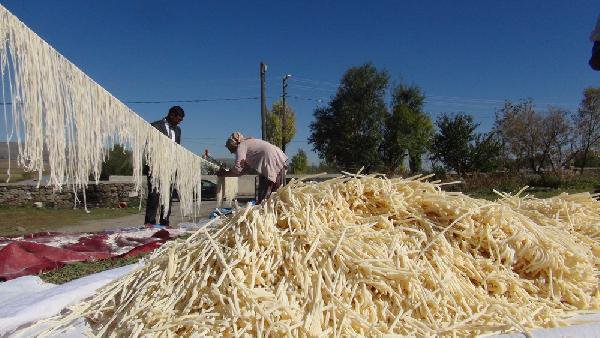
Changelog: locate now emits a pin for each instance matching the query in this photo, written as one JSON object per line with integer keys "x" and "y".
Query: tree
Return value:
{"x": 118, "y": 162}
{"x": 593, "y": 160}
{"x": 348, "y": 131}
{"x": 420, "y": 141}
{"x": 322, "y": 167}
{"x": 459, "y": 147}
{"x": 534, "y": 138}
{"x": 557, "y": 138}
{"x": 299, "y": 164}
{"x": 520, "y": 127}
{"x": 274, "y": 121}
{"x": 408, "y": 129}
{"x": 587, "y": 123}
{"x": 451, "y": 142}
{"x": 485, "y": 152}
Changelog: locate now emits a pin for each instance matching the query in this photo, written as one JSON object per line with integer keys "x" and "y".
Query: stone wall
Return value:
{"x": 101, "y": 195}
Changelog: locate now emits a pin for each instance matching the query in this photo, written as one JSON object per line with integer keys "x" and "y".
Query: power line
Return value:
{"x": 181, "y": 101}
{"x": 197, "y": 100}
{"x": 305, "y": 98}
{"x": 489, "y": 101}
{"x": 483, "y": 102}
{"x": 199, "y": 138}
{"x": 314, "y": 88}
{"x": 433, "y": 100}
{"x": 318, "y": 82}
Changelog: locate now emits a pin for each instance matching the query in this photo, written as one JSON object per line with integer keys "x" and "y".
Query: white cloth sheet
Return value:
{"x": 28, "y": 299}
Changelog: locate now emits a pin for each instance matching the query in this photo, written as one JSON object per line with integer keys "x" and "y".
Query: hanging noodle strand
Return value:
{"x": 57, "y": 108}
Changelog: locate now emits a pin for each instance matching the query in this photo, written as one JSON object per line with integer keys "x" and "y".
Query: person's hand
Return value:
{"x": 222, "y": 172}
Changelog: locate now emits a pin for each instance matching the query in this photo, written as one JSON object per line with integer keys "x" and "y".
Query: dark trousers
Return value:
{"x": 152, "y": 205}
{"x": 266, "y": 187}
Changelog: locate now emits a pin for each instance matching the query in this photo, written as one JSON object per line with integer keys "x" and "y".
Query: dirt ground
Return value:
{"x": 136, "y": 219}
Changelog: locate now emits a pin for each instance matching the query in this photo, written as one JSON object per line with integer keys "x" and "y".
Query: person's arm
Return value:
{"x": 595, "y": 35}
{"x": 238, "y": 168}
{"x": 177, "y": 134}
{"x": 240, "y": 159}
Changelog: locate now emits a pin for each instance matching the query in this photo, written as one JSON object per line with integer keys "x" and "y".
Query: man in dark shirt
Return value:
{"x": 170, "y": 127}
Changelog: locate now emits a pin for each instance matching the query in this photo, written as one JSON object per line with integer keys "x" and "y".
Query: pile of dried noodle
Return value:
{"x": 368, "y": 256}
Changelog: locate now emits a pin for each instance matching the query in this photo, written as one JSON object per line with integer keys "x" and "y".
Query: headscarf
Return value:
{"x": 234, "y": 140}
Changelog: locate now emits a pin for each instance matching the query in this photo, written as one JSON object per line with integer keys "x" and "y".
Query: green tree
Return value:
{"x": 460, "y": 148}
{"x": 408, "y": 129}
{"x": 299, "y": 164}
{"x": 451, "y": 142}
{"x": 420, "y": 142}
{"x": 587, "y": 123}
{"x": 117, "y": 162}
{"x": 485, "y": 153}
{"x": 348, "y": 131}
{"x": 274, "y": 124}
{"x": 322, "y": 167}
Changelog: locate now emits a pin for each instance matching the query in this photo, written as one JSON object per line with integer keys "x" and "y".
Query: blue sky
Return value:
{"x": 467, "y": 56}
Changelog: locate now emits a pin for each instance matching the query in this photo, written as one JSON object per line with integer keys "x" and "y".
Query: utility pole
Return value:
{"x": 263, "y": 100}
{"x": 284, "y": 83}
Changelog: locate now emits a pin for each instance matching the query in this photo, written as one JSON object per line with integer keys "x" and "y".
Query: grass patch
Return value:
{"x": 73, "y": 271}
{"x": 25, "y": 220}
{"x": 16, "y": 172}
{"x": 540, "y": 186}
{"x": 15, "y": 177}
{"x": 488, "y": 194}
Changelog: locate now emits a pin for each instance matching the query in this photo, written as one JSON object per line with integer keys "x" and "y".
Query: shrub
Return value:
{"x": 546, "y": 181}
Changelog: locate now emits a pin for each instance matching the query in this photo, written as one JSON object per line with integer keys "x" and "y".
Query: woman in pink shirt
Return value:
{"x": 263, "y": 157}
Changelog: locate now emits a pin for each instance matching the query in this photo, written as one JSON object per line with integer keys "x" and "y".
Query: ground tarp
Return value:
{"x": 36, "y": 253}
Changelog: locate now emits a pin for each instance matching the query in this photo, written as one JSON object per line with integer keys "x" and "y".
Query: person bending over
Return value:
{"x": 268, "y": 160}
{"x": 170, "y": 127}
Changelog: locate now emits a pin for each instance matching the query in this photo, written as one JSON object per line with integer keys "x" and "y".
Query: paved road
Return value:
{"x": 135, "y": 220}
